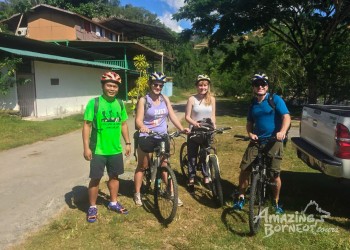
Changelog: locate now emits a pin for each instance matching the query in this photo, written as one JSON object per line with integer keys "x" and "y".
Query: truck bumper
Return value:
{"x": 316, "y": 159}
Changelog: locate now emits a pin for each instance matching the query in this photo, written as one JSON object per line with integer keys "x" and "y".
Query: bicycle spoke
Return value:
{"x": 166, "y": 194}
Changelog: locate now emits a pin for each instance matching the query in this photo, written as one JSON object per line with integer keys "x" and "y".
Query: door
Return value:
{"x": 26, "y": 95}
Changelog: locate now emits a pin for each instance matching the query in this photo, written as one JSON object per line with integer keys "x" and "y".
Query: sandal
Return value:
{"x": 118, "y": 208}
{"x": 92, "y": 215}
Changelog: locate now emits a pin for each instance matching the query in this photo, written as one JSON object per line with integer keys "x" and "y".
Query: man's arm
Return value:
{"x": 125, "y": 134}
{"x": 281, "y": 135}
{"x": 86, "y": 140}
{"x": 249, "y": 128}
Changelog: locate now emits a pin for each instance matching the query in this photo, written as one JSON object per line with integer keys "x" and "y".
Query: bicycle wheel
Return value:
{"x": 256, "y": 202}
{"x": 215, "y": 183}
{"x": 184, "y": 160}
{"x": 166, "y": 194}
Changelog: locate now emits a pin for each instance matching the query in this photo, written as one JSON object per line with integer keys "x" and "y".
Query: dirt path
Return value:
{"x": 39, "y": 180}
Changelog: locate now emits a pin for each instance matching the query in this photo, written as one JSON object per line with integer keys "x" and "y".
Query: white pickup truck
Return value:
{"x": 324, "y": 142}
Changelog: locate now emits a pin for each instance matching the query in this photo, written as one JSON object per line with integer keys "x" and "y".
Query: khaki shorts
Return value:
{"x": 275, "y": 154}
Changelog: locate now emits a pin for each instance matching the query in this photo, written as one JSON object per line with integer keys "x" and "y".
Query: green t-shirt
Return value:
{"x": 105, "y": 140}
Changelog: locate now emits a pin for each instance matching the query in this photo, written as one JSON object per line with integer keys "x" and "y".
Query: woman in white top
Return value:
{"x": 199, "y": 106}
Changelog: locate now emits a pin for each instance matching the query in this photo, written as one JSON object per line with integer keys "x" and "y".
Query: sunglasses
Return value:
{"x": 157, "y": 85}
{"x": 258, "y": 84}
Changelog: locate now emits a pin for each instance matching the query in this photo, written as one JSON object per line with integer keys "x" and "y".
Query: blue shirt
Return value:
{"x": 266, "y": 121}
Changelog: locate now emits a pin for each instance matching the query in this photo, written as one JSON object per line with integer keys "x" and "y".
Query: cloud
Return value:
{"x": 174, "y": 4}
{"x": 172, "y": 24}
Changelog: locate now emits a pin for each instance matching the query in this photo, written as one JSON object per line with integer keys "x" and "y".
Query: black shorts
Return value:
{"x": 113, "y": 163}
{"x": 148, "y": 144}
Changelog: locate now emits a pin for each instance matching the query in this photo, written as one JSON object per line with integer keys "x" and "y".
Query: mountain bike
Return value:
{"x": 207, "y": 153}
{"x": 258, "y": 182}
{"x": 165, "y": 189}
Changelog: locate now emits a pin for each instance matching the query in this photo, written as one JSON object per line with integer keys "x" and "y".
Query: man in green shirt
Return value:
{"x": 104, "y": 123}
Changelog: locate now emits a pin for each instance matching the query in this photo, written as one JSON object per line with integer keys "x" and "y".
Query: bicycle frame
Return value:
{"x": 259, "y": 181}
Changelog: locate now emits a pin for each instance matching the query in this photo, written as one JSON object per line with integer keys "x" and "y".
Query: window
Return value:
{"x": 98, "y": 31}
{"x": 55, "y": 81}
{"x": 87, "y": 26}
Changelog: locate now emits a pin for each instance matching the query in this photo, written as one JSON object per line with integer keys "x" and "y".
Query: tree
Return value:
{"x": 141, "y": 88}
{"x": 311, "y": 28}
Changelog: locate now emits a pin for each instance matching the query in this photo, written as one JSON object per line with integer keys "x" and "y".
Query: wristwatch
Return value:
{"x": 128, "y": 143}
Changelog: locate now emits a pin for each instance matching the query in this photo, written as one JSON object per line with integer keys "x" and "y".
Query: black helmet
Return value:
{"x": 260, "y": 77}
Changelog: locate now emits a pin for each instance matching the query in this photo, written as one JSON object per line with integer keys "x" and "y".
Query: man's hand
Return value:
{"x": 253, "y": 137}
{"x": 280, "y": 136}
{"x": 88, "y": 154}
{"x": 127, "y": 150}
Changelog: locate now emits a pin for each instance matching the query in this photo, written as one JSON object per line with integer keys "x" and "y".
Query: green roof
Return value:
{"x": 59, "y": 58}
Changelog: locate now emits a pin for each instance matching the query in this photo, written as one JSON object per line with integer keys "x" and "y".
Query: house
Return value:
{"x": 65, "y": 53}
{"x": 61, "y": 81}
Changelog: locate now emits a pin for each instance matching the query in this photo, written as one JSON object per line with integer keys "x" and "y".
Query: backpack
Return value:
{"x": 273, "y": 106}
{"x": 97, "y": 101}
{"x": 202, "y": 138}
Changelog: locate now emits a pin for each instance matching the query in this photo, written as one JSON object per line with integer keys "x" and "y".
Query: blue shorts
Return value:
{"x": 113, "y": 163}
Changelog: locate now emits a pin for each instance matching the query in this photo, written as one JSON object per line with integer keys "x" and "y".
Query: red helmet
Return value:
{"x": 111, "y": 76}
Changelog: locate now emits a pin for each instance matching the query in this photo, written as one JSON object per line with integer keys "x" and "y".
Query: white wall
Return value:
{"x": 9, "y": 101}
{"x": 76, "y": 86}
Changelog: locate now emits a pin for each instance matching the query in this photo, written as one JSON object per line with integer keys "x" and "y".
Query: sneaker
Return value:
{"x": 118, "y": 208}
{"x": 91, "y": 214}
{"x": 179, "y": 202}
{"x": 137, "y": 199}
{"x": 238, "y": 204}
{"x": 278, "y": 209}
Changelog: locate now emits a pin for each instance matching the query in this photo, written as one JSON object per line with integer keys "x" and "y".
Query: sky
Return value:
{"x": 164, "y": 10}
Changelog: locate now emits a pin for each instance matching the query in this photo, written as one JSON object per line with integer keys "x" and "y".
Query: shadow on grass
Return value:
{"x": 202, "y": 194}
{"x": 78, "y": 198}
{"x": 331, "y": 195}
{"x": 236, "y": 221}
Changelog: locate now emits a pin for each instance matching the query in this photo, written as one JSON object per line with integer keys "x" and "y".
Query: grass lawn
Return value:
{"x": 200, "y": 224}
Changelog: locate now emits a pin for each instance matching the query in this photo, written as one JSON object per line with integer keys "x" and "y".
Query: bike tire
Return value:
{"x": 184, "y": 160}
{"x": 256, "y": 202}
{"x": 215, "y": 183}
{"x": 166, "y": 194}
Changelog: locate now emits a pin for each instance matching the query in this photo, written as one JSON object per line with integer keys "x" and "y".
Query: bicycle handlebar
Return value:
{"x": 164, "y": 136}
{"x": 259, "y": 140}
{"x": 217, "y": 131}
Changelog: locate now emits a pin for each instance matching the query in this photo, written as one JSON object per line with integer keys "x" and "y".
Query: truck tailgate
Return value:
{"x": 318, "y": 128}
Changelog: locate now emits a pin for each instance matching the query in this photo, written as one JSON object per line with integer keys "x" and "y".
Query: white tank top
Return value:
{"x": 200, "y": 110}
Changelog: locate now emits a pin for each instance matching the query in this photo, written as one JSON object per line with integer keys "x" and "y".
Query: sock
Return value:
{"x": 113, "y": 203}
{"x": 94, "y": 206}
